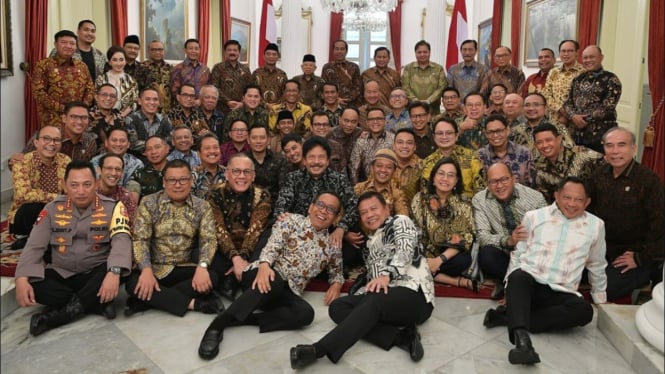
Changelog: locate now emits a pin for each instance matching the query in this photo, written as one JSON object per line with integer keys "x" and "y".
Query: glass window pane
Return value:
{"x": 352, "y": 35}
{"x": 379, "y": 36}
{"x": 354, "y": 52}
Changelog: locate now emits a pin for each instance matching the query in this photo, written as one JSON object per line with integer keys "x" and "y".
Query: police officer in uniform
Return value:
{"x": 88, "y": 237}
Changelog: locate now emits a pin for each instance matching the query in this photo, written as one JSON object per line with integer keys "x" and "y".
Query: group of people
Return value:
{"x": 189, "y": 185}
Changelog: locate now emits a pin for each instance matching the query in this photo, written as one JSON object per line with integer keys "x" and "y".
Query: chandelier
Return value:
{"x": 364, "y": 20}
{"x": 370, "y": 6}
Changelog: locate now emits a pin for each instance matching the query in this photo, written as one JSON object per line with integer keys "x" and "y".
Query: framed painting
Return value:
{"x": 242, "y": 32}
{"x": 166, "y": 21}
{"x": 484, "y": 42}
{"x": 6, "y": 63}
{"x": 547, "y": 23}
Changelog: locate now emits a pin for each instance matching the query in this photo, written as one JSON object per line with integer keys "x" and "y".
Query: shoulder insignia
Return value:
{"x": 41, "y": 216}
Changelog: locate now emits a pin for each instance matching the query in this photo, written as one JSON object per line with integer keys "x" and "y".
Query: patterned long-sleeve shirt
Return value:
{"x": 534, "y": 83}
{"x": 387, "y": 79}
{"x": 302, "y": 117}
{"x": 425, "y": 84}
{"x": 395, "y": 249}
{"x": 195, "y": 120}
{"x": 363, "y": 153}
{"x": 510, "y": 76}
{"x": 631, "y": 205}
{"x": 272, "y": 83}
{"x": 578, "y": 162}
{"x": 35, "y": 181}
{"x": 346, "y": 75}
{"x": 258, "y": 117}
{"x": 121, "y": 194}
{"x": 205, "y": 181}
{"x": 144, "y": 128}
{"x": 392, "y": 193}
{"x": 450, "y": 226}
{"x": 240, "y": 218}
{"x": 299, "y": 189}
{"x": 409, "y": 177}
{"x": 466, "y": 78}
{"x": 132, "y": 164}
{"x": 140, "y": 73}
{"x": 57, "y": 81}
{"x": 310, "y": 89}
{"x": 84, "y": 149}
{"x": 472, "y": 138}
{"x": 518, "y": 158}
{"x": 473, "y": 174}
{"x": 146, "y": 180}
{"x": 491, "y": 227}
{"x": 557, "y": 87}
{"x": 128, "y": 90}
{"x": 299, "y": 252}
{"x": 270, "y": 172}
{"x": 188, "y": 71}
{"x": 160, "y": 76}
{"x": 402, "y": 121}
{"x": 229, "y": 149}
{"x": 523, "y": 134}
{"x": 99, "y": 59}
{"x": 231, "y": 81}
{"x": 165, "y": 235}
{"x": 348, "y": 141}
{"x": 594, "y": 94}
{"x": 558, "y": 249}
{"x": 191, "y": 157}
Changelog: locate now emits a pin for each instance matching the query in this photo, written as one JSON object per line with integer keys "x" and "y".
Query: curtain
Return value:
{"x": 588, "y": 23}
{"x": 36, "y": 18}
{"x": 119, "y": 22}
{"x": 226, "y": 20}
{"x": 654, "y": 157}
{"x": 496, "y": 28}
{"x": 203, "y": 29}
{"x": 395, "y": 23}
{"x": 515, "y": 27}
{"x": 336, "y": 20}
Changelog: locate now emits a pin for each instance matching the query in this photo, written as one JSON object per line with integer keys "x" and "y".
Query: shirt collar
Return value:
{"x": 164, "y": 199}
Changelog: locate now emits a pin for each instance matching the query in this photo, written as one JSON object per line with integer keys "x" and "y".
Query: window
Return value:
{"x": 363, "y": 43}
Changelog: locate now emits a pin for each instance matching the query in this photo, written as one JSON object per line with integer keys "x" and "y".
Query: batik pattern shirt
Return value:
{"x": 229, "y": 149}
{"x": 259, "y": 117}
{"x": 510, "y": 76}
{"x": 132, "y": 164}
{"x": 121, "y": 194}
{"x": 523, "y": 134}
{"x": 98, "y": 56}
{"x": 128, "y": 90}
{"x": 310, "y": 89}
{"x": 473, "y": 138}
{"x": 204, "y": 180}
{"x": 363, "y": 153}
{"x": 299, "y": 252}
{"x": 347, "y": 141}
{"x": 302, "y": 117}
{"x": 346, "y": 75}
{"x": 215, "y": 122}
{"x": 425, "y": 84}
{"x": 491, "y": 227}
{"x": 231, "y": 81}
{"x": 559, "y": 248}
{"x": 578, "y": 162}
{"x": 144, "y": 128}
{"x": 535, "y": 83}
{"x": 395, "y": 249}
{"x": 449, "y": 226}
{"x": 391, "y": 193}
{"x": 362, "y": 114}
{"x": 270, "y": 172}
{"x": 191, "y": 157}
{"x": 195, "y": 120}
{"x": 425, "y": 145}
{"x": 188, "y": 71}
{"x": 240, "y": 218}
{"x": 166, "y": 235}
{"x": 160, "y": 76}
{"x": 56, "y": 82}
{"x": 518, "y": 158}
{"x": 466, "y": 78}
{"x": 272, "y": 83}
{"x": 473, "y": 174}
{"x": 594, "y": 94}
{"x": 402, "y": 121}
{"x": 387, "y": 80}
{"x": 299, "y": 189}
{"x": 557, "y": 87}
{"x": 140, "y": 73}
{"x": 34, "y": 181}
{"x": 409, "y": 178}
{"x": 631, "y": 205}
{"x": 333, "y": 114}
{"x": 146, "y": 181}
{"x": 100, "y": 126}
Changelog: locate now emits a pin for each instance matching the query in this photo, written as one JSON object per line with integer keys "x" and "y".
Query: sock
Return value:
{"x": 320, "y": 351}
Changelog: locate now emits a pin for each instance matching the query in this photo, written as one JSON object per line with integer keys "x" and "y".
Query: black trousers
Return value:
{"x": 456, "y": 265}
{"x": 25, "y": 218}
{"x": 493, "y": 262}
{"x": 619, "y": 285}
{"x": 538, "y": 308}
{"x": 55, "y": 291}
{"x": 375, "y": 317}
{"x": 176, "y": 289}
{"x": 282, "y": 309}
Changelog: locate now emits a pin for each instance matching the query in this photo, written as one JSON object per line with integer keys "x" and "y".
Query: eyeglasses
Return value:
{"x": 107, "y": 95}
{"x": 494, "y": 132}
{"x": 237, "y": 172}
{"x": 239, "y": 130}
{"x": 533, "y": 105}
{"x": 444, "y": 133}
{"x": 419, "y": 115}
{"x": 188, "y": 96}
{"x": 47, "y": 139}
{"x": 450, "y": 97}
{"x": 320, "y": 124}
{"x": 495, "y": 182}
{"x": 398, "y": 96}
{"x": 74, "y": 117}
{"x": 328, "y": 208}
{"x": 181, "y": 181}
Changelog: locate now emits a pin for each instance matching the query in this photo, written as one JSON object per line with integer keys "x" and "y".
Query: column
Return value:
{"x": 294, "y": 42}
{"x": 436, "y": 22}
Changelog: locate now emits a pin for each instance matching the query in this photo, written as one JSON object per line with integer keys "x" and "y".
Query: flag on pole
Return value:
{"x": 457, "y": 34}
{"x": 268, "y": 30}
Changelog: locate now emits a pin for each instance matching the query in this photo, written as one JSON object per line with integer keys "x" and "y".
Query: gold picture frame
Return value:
{"x": 168, "y": 24}
{"x": 547, "y": 23}
{"x": 242, "y": 32}
{"x": 6, "y": 57}
{"x": 485, "y": 42}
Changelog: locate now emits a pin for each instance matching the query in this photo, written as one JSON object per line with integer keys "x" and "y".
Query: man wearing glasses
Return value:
{"x": 298, "y": 250}
{"x": 37, "y": 179}
{"x": 174, "y": 243}
{"x": 186, "y": 111}
{"x": 160, "y": 73}
{"x": 419, "y": 114}
{"x": 376, "y": 137}
{"x": 397, "y": 116}
{"x": 504, "y": 73}
{"x": 321, "y": 127}
{"x": 498, "y": 212}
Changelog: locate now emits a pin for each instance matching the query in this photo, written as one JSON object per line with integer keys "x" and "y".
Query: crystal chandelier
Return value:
{"x": 371, "y": 6}
{"x": 363, "y": 20}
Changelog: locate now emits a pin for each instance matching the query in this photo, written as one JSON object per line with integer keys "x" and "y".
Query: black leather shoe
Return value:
{"x": 18, "y": 244}
{"x": 498, "y": 291}
{"x": 209, "y": 347}
{"x": 416, "y": 350}
{"x": 50, "y": 319}
{"x": 134, "y": 306}
{"x": 523, "y": 353}
{"x": 302, "y": 355}
{"x": 108, "y": 310}
{"x": 495, "y": 317}
{"x": 209, "y": 304}
{"x": 38, "y": 324}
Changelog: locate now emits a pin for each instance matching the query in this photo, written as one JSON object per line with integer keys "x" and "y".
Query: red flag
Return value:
{"x": 268, "y": 30}
{"x": 458, "y": 33}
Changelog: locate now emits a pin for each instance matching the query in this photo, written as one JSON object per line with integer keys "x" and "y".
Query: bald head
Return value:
{"x": 513, "y": 105}
{"x": 592, "y": 58}
{"x": 497, "y": 170}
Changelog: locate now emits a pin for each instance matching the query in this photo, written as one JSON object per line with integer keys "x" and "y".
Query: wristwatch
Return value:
{"x": 203, "y": 264}
{"x": 115, "y": 270}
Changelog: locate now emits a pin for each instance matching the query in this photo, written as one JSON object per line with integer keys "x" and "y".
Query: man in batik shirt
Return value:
{"x": 160, "y": 74}
{"x": 230, "y": 77}
{"x": 191, "y": 70}
{"x": 310, "y": 83}
{"x": 344, "y": 73}
{"x": 269, "y": 77}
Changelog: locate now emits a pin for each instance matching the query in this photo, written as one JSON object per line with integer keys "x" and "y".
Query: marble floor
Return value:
{"x": 154, "y": 342}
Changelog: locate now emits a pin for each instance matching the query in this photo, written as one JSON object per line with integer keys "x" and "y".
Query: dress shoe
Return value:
{"x": 18, "y": 244}
{"x": 409, "y": 340}
{"x": 209, "y": 304}
{"x": 108, "y": 310}
{"x": 498, "y": 291}
{"x": 50, "y": 319}
{"x": 496, "y": 317}
{"x": 134, "y": 305}
{"x": 209, "y": 347}
{"x": 302, "y": 355}
{"x": 523, "y": 353}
